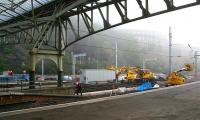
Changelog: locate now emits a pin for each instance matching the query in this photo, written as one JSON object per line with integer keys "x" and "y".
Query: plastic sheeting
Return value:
{"x": 144, "y": 86}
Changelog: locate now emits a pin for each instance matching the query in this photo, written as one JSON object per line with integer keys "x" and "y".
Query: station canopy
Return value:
{"x": 13, "y": 8}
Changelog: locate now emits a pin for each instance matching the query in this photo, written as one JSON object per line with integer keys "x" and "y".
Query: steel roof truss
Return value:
{"x": 145, "y": 11}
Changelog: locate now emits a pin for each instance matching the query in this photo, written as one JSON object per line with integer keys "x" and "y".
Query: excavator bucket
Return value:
{"x": 188, "y": 67}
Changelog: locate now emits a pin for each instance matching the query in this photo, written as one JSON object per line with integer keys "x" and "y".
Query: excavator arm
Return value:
{"x": 176, "y": 78}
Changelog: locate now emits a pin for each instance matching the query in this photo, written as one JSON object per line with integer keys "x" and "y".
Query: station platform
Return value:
{"x": 171, "y": 103}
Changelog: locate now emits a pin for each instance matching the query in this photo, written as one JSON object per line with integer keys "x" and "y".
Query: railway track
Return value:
{"x": 11, "y": 102}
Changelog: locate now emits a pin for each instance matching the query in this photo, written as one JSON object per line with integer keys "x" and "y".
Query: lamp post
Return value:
{"x": 116, "y": 64}
{"x": 196, "y": 62}
{"x": 170, "y": 50}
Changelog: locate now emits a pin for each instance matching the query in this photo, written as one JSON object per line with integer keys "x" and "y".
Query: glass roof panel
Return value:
{"x": 13, "y": 8}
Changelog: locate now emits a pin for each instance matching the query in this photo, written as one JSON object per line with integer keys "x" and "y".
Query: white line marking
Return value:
{"x": 37, "y": 109}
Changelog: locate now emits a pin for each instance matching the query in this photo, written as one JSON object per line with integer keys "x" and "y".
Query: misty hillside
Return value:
{"x": 133, "y": 47}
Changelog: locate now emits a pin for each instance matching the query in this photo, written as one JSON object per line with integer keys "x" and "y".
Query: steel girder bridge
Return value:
{"x": 56, "y": 25}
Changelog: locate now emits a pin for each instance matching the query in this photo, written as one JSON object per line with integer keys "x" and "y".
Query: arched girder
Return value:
{"x": 62, "y": 19}
{"x": 145, "y": 14}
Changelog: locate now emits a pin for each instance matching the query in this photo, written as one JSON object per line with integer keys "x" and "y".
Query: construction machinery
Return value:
{"x": 143, "y": 78}
{"x": 120, "y": 70}
{"x": 176, "y": 78}
{"x": 128, "y": 73}
{"x": 145, "y": 75}
{"x": 132, "y": 73}
{"x": 111, "y": 67}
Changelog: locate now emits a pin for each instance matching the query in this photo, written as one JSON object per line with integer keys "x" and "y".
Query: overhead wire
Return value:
{"x": 124, "y": 50}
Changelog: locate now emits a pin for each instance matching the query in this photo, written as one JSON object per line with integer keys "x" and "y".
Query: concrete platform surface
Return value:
{"x": 173, "y": 103}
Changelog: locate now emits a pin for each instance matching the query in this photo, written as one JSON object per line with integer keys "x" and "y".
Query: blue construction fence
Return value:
{"x": 14, "y": 78}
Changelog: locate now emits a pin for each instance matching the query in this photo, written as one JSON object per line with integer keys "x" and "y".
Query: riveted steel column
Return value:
{"x": 32, "y": 80}
{"x": 60, "y": 64}
{"x": 60, "y": 71}
{"x": 32, "y": 72}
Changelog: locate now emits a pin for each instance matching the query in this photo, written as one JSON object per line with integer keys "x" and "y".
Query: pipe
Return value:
{"x": 107, "y": 92}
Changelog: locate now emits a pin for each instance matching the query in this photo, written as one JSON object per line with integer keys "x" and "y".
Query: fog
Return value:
{"x": 147, "y": 38}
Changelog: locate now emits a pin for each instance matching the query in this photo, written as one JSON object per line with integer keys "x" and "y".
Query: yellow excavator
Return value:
{"x": 145, "y": 75}
{"x": 111, "y": 67}
{"x": 176, "y": 78}
{"x": 133, "y": 74}
{"x": 139, "y": 76}
{"x": 121, "y": 70}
